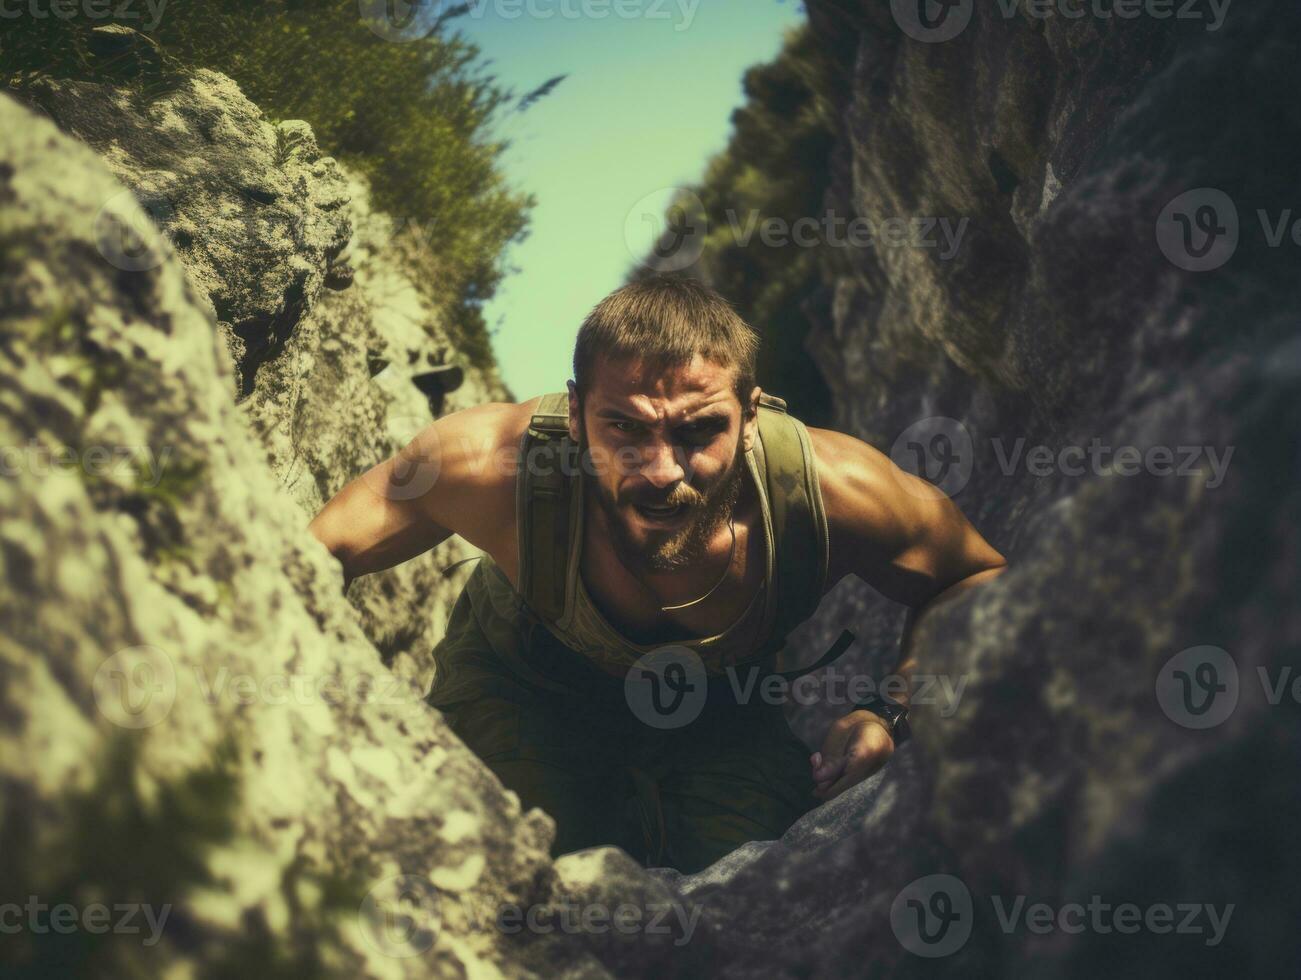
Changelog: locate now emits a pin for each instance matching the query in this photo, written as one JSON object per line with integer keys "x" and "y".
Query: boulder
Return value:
{"x": 192, "y": 721}
{"x": 314, "y": 294}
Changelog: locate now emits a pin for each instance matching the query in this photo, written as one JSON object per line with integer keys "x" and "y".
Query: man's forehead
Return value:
{"x": 683, "y": 387}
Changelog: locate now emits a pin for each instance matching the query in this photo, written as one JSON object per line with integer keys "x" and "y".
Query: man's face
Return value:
{"x": 666, "y": 456}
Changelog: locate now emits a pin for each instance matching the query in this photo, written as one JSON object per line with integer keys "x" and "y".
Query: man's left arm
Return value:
{"x": 909, "y": 541}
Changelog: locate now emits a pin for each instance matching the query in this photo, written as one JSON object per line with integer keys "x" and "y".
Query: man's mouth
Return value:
{"x": 660, "y": 513}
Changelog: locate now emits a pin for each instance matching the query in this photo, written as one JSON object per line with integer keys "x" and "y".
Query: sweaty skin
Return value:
{"x": 673, "y": 437}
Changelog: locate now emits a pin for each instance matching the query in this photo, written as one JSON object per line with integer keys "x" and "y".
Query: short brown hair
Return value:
{"x": 666, "y": 321}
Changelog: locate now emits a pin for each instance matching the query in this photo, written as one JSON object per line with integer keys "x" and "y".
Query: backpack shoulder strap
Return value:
{"x": 543, "y": 499}
{"x": 799, "y": 521}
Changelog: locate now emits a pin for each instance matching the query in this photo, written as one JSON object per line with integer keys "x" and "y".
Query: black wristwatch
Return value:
{"x": 894, "y": 713}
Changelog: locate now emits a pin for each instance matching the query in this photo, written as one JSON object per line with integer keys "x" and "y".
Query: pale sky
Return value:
{"x": 648, "y": 100}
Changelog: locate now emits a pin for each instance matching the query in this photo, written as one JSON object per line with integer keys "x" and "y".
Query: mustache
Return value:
{"x": 681, "y": 494}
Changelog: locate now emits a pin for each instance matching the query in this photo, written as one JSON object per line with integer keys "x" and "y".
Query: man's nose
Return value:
{"x": 661, "y": 466}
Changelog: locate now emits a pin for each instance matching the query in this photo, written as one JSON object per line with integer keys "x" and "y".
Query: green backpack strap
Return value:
{"x": 544, "y": 497}
{"x": 799, "y": 522}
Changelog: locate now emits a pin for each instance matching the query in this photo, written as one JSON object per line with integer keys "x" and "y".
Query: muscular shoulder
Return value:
{"x": 477, "y": 445}
{"x": 472, "y": 458}
{"x": 869, "y": 508}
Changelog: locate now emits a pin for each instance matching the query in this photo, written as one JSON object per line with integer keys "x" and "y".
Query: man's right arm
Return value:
{"x": 457, "y": 476}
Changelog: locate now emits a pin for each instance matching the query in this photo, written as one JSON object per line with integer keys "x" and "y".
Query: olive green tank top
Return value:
{"x": 586, "y": 630}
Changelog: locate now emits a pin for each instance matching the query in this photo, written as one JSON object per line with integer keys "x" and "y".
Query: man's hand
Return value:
{"x": 856, "y": 746}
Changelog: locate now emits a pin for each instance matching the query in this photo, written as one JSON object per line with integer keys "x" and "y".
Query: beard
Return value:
{"x": 683, "y": 546}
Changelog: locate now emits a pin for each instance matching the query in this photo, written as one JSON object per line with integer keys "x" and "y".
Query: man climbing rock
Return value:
{"x": 649, "y": 536}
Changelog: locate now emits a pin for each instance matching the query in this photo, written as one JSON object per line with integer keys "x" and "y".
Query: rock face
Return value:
{"x": 1072, "y": 315}
{"x": 311, "y": 290}
{"x": 192, "y": 720}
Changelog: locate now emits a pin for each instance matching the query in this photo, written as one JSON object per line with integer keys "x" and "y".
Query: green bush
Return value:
{"x": 413, "y": 116}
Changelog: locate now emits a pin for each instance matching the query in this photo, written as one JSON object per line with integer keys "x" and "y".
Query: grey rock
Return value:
{"x": 261, "y": 221}
{"x": 255, "y": 210}
{"x": 1059, "y": 775}
{"x": 191, "y": 717}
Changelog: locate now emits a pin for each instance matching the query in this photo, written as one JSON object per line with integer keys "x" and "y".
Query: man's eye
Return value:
{"x": 632, "y": 426}
{"x": 699, "y": 432}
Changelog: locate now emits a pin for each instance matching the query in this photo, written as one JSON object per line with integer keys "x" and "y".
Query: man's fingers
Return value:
{"x": 856, "y": 771}
{"x": 833, "y": 752}
{"x": 870, "y": 748}
{"x": 829, "y": 770}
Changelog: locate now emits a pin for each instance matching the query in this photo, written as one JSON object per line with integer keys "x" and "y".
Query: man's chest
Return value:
{"x": 632, "y": 604}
